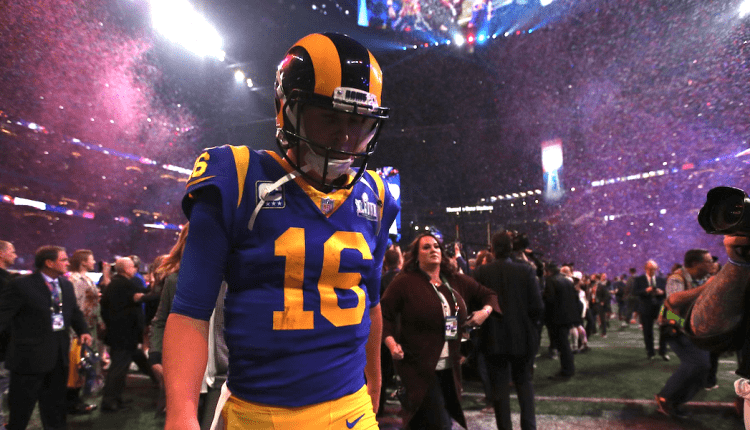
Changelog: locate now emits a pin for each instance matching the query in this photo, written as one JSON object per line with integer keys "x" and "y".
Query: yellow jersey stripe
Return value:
{"x": 198, "y": 181}
{"x": 241, "y": 161}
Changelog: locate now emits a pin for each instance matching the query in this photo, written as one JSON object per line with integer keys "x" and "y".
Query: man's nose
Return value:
{"x": 342, "y": 132}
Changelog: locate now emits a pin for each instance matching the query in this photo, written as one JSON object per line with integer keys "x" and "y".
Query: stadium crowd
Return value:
{"x": 628, "y": 90}
{"x": 120, "y": 307}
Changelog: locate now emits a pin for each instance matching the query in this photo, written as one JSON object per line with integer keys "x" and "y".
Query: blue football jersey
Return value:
{"x": 301, "y": 277}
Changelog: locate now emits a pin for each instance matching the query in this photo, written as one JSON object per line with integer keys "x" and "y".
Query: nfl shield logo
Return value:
{"x": 326, "y": 205}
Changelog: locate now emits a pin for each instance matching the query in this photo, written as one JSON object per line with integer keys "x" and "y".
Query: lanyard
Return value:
{"x": 440, "y": 296}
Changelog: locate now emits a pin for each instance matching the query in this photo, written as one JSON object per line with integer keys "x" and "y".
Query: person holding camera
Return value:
{"x": 691, "y": 376}
{"x": 432, "y": 302}
{"x": 453, "y": 251}
{"x": 713, "y": 315}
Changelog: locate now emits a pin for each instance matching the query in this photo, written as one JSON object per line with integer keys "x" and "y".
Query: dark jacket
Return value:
{"x": 517, "y": 289}
{"x": 603, "y": 295}
{"x": 26, "y": 307}
{"x": 386, "y": 279}
{"x": 5, "y": 278}
{"x": 560, "y": 301}
{"x": 123, "y": 317}
{"x": 412, "y": 299}
{"x": 650, "y": 302}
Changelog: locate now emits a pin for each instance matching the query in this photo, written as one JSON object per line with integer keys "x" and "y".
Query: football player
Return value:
{"x": 299, "y": 237}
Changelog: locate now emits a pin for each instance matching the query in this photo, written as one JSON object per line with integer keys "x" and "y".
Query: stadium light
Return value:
{"x": 459, "y": 40}
{"x": 545, "y": 3}
{"x": 179, "y": 22}
{"x": 744, "y": 8}
{"x": 239, "y": 76}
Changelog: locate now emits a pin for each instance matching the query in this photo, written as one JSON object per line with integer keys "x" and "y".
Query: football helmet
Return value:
{"x": 335, "y": 73}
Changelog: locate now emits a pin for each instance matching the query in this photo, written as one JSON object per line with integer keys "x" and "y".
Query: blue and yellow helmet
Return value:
{"x": 331, "y": 71}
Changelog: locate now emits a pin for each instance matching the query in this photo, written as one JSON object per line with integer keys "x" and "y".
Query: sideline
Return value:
{"x": 607, "y": 400}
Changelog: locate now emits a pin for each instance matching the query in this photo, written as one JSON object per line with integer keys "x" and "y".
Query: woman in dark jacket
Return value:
{"x": 429, "y": 302}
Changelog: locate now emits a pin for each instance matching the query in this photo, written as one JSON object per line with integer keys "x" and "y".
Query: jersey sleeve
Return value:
{"x": 390, "y": 209}
{"x": 223, "y": 170}
{"x": 203, "y": 261}
{"x": 214, "y": 191}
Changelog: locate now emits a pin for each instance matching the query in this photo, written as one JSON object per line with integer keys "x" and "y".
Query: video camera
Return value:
{"x": 99, "y": 267}
{"x": 521, "y": 241}
{"x": 726, "y": 211}
{"x": 450, "y": 249}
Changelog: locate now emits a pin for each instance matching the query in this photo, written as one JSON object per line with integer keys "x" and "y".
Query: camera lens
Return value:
{"x": 727, "y": 213}
{"x": 724, "y": 211}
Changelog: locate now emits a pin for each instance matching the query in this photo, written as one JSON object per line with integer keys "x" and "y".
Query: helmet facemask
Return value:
{"x": 324, "y": 165}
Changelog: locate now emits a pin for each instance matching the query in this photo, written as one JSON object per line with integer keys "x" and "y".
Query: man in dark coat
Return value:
{"x": 7, "y": 258}
{"x": 510, "y": 343}
{"x": 121, "y": 311}
{"x": 40, "y": 308}
{"x": 651, "y": 289}
{"x": 392, "y": 262}
{"x": 562, "y": 310}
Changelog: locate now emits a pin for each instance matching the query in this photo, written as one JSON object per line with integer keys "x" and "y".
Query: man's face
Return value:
{"x": 128, "y": 268}
{"x": 8, "y": 255}
{"x": 651, "y": 268}
{"x": 59, "y": 266}
{"x": 705, "y": 266}
{"x": 336, "y": 130}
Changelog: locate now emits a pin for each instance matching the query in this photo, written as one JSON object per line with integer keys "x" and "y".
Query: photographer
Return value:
{"x": 695, "y": 364}
{"x": 714, "y": 313}
{"x": 453, "y": 251}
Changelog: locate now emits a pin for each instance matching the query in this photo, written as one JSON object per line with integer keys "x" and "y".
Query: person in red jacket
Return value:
{"x": 433, "y": 304}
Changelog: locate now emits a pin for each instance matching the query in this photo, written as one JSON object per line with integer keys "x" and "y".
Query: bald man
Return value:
{"x": 651, "y": 290}
{"x": 121, "y": 309}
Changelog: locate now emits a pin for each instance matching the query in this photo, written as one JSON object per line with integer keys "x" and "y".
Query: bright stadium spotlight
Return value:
{"x": 239, "y": 76}
{"x": 459, "y": 40}
{"x": 545, "y": 2}
{"x": 744, "y": 8}
{"x": 179, "y": 22}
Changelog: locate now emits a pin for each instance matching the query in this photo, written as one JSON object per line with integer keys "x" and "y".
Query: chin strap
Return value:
{"x": 275, "y": 186}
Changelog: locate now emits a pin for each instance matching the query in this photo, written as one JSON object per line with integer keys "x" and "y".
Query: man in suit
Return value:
{"x": 121, "y": 311}
{"x": 651, "y": 288}
{"x": 510, "y": 343}
{"x": 603, "y": 298}
{"x": 392, "y": 262}
{"x": 562, "y": 311}
{"x": 40, "y": 308}
{"x": 7, "y": 258}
